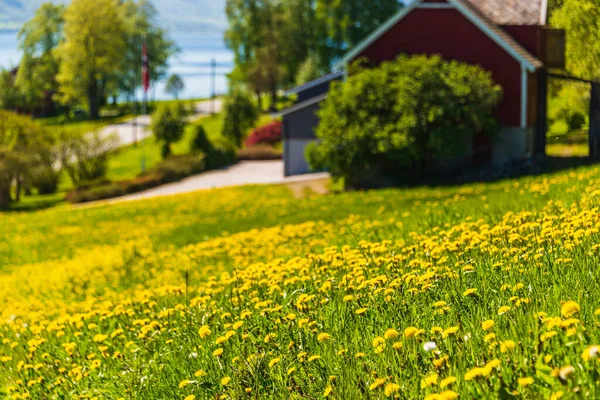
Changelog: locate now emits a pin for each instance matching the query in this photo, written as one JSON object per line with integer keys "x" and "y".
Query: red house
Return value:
{"x": 509, "y": 38}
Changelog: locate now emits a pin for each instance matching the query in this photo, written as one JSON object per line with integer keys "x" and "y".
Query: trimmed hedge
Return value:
{"x": 259, "y": 153}
{"x": 170, "y": 170}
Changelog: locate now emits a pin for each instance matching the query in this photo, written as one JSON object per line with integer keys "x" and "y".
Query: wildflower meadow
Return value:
{"x": 477, "y": 291}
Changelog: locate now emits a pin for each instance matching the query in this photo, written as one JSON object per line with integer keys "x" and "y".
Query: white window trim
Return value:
{"x": 524, "y": 96}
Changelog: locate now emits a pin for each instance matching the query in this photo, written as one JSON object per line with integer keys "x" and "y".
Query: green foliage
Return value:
{"x": 240, "y": 115}
{"x": 217, "y": 154}
{"x": 45, "y": 179}
{"x": 570, "y": 105}
{"x": 309, "y": 71}
{"x": 10, "y": 96}
{"x": 24, "y": 147}
{"x": 38, "y": 39}
{"x": 398, "y": 119}
{"x": 174, "y": 86}
{"x": 85, "y": 156}
{"x": 92, "y": 51}
{"x": 168, "y": 123}
{"x": 170, "y": 170}
{"x": 581, "y": 20}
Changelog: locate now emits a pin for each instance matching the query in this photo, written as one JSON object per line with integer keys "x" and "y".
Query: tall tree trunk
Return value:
{"x": 92, "y": 96}
{"x": 4, "y": 194}
{"x": 18, "y": 189}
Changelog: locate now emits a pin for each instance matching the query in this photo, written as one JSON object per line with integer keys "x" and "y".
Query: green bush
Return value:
{"x": 240, "y": 115}
{"x": 219, "y": 154}
{"x": 45, "y": 179}
{"x": 259, "y": 152}
{"x": 85, "y": 157}
{"x": 170, "y": 170}
{"x": 168, "y": 123}
{"x": 576, "y": 121}
{"x": 393, "y": 122}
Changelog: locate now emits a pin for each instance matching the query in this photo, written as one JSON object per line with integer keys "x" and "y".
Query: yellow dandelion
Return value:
{"x": 377, "y": 383}
{"x": 486, "y": 325}
{"x": 569, "y": 309}
{"x": 525, "y": 381}
{"x": 390, "y": 389}
{"x": 361, "y": 311}
{"x": 204, "y": 331}
{"x": 323, "y": 337}
{"x": 225, "y": 381}
{"x": 218, "y": 352}
{"x": 184, "y": 383}
{"x": 391, "y": 334}
{"x": 447, "y": 381}
{"x": 274, "y": 361}
{"x": 469, "y": 292}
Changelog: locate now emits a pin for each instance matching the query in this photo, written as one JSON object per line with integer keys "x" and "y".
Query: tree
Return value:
{"x": 174, "y": 86}
{"x": 240, "y": 115}
{"x": 167, "y": 125}
{"x": 309, "y": 71}
{"x": 38, "y": 39}
{"x": 10, "y": 95}
{"x": 91, "y": 54}
{"x": 24, "y": 146}
{"x": 396, "y": 120}
{"x": 581, "y": 20}
{"x": 141, "y": 19}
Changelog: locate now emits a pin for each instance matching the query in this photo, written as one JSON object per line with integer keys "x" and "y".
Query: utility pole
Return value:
{"x": 213, "y": 78}
{"x": 146, "y": 86}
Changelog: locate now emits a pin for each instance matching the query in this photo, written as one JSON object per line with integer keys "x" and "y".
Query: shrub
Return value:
{"x": 217, "y": 155}
{"x": 575, "y": 121}
{"x": 85, "y": 157}
{"x": 168, "y": 123}
{"x": 259, "y": 152}
{"x": 45, "y": 179}
{"x": 394, "y": 121}
{"x": 240, "y": 115}
{"x": 270, "y": 134}
{"x": 169, "y": 170}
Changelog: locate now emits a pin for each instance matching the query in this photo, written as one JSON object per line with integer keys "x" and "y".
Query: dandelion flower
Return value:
{"x": 225, "y": 381}
{"x": 190, "y": 397}
{"x": 274, "y": 361}
{"x": 218, "y": 352}
{"x": 569, "y": 309}
{"x": 486, "y": 325}
{"x": 204, "y": 331}
{"x": 184, "y": 383}
{"x": 469, "y": 292}
{"x": 327, "y": 391}
{"x": 390, "y": 389}
{"x": 390, "y": 334}
{"x": 377, "y": 383}
{"x": 447, "y": 381}
{"x": 361, "y": 311}
{"x": 323, "y": 337}
{"x": 525, "y": 381}
{"x": 590, "y": 352}
{"x": 429, "y": 380}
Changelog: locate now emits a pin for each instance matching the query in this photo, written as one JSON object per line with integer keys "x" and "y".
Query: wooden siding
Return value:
{"x": 448, "y": 33}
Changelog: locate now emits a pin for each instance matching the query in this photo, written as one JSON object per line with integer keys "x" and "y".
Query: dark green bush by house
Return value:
{"x": 219, "y": 154}
{"x": 396, "y": 120}
{"x": 240, "y": 114}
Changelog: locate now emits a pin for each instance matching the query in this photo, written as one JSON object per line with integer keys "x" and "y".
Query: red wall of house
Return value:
{"x": 448, "y": 33}
{"x": 527, "y": 36}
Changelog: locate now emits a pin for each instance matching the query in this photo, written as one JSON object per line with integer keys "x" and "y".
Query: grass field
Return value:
{"x": 479, "y": 291}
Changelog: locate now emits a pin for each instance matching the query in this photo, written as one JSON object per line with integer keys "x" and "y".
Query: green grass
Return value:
{"x": 250, "y": 290}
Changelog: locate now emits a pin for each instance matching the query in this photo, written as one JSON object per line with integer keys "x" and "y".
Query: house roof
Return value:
{"x": 319, "y": 81}
{"x": 473, "y": 13}
{"x": 513, "y": 12}
{"x": 304, "y": 104}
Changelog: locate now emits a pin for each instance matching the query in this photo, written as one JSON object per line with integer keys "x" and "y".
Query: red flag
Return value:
{"x": 145, "y": 69}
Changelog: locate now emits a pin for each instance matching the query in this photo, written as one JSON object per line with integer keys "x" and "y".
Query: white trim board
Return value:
{"x": 511, "y": 49}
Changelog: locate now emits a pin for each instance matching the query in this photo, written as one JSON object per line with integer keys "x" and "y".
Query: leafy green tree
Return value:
{"x": 581, "y": 20}
{"x": 174, "y": 86}
{"x": 141, "y": 19}
{"x": 92, "y": 51}
{"x": 397, "y": 119}
{"x": 24, "y": 146}
{"x": 342, "y": 24}
{"x": 10, "y": 95}
{"x": 240, "y": 115}
{"x": 38, "y": 39}
{"x": 168, "y": 123}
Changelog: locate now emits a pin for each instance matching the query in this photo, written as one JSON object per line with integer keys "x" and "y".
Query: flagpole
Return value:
{"x": 145, "y": 84}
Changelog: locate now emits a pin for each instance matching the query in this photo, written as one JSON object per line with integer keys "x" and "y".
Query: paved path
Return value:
{"x": 137, "y": 128}
{"x": 243, "y": 173}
